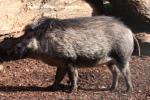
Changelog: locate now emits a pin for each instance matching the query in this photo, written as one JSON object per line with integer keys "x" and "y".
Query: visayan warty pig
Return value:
{"x": 80, "y": 42}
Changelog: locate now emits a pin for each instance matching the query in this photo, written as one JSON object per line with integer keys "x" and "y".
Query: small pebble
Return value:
{"x": 140, "y": 91}
{"x": 1, "y": 67}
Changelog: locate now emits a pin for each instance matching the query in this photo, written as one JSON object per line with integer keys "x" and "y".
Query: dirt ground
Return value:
{"x": 27, "y": 79}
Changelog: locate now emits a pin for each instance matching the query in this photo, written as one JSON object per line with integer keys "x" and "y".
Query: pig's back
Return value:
{"x": 92, "y": 40}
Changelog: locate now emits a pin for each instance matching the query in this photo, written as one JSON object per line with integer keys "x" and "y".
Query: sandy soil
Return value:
{"x": 27, "y": 79}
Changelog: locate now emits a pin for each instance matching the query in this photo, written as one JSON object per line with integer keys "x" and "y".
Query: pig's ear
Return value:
{"x": 38, "y": 23}
{"x": 34, "y": 25}
{"x": 28, "y": 28}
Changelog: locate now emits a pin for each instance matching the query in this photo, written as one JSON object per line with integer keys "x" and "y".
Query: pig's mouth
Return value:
{"x": 20, "y": 52}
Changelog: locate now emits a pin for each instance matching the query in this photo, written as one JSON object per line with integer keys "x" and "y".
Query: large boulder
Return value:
{"x": 133, "y": 8}
{"x": 16, "y": 14}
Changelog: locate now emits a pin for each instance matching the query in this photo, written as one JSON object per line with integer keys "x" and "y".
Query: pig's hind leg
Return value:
{"x": 115, "y": 75}
{"x": 125, "y": 70}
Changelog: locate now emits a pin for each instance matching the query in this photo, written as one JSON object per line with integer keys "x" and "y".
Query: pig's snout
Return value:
{"x": 20, "y": 50}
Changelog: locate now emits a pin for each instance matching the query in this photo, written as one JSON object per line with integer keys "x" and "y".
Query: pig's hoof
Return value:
{"x": 112, "y": 88}
{"x": 73, "y": 89}
{"x": 129, "y": 90}
{"x": 69, "y": 82}
{"x": 58, "y": 87}
{"x": 53, "y": 87}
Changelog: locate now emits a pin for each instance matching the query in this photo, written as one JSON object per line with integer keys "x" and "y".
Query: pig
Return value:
{"x": 73, "y": 43}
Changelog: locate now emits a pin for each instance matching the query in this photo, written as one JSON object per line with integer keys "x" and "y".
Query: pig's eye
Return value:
{"x": 29, "y": 37}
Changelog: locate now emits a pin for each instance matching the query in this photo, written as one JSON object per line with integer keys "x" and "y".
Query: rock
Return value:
{"x": 143, "y": 37}
{"x": 134, "y": 8}
{"x": 1, "y": 67}
{"x": 141, "y": 8}
{"x": 21, "y": 12}
{"x": 16, "y": 14}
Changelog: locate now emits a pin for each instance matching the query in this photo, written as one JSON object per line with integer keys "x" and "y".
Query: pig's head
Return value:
{"x": 32, "y": 33}
{"x": 28, "y": 42}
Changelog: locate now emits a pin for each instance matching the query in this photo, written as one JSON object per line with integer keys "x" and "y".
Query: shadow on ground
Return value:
{"x": 62, "y": 87}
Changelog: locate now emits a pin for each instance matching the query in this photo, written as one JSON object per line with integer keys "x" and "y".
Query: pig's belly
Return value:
{"x": 91, "y": 62}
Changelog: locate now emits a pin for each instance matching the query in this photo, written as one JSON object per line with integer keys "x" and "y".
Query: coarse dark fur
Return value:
{"x": 80, "y": 42}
